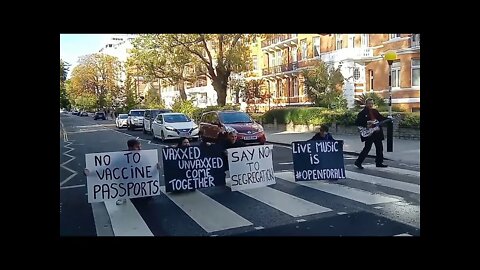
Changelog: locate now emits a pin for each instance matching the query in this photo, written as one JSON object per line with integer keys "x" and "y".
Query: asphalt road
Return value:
{"x": 370, "y": 202}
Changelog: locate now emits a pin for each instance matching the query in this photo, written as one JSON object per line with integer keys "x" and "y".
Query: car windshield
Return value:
{"x": 99, "y": 113}
{"x": 137, "y": 113}
{"x": 174, "y": 118}
{"x": 234, "y": 118}
{"x": 123, "y": 116}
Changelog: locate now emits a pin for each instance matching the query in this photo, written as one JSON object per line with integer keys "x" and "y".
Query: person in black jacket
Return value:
{"x": 365, "y": 118}
{"x": 322, "y": 135}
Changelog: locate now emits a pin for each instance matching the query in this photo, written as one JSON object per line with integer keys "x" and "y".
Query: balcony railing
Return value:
{"x": 280, "y": 68}
{"x": 415, "y": 41}
{"x": 347, "y": 53}
{"x": 277, "y": 39}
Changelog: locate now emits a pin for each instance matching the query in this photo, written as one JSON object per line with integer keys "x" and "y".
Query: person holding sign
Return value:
{"x": 133, "y": 145}
{"x": 322, "y": 135}
{"x": 366, "y": 118}
{"x": 227, "y": 140}
{"x": 184, "y": 142}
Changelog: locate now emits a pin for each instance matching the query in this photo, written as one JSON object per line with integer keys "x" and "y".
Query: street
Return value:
{"x": 370, "y": 202}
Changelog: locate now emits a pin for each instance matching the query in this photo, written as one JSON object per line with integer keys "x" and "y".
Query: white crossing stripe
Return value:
{"x": 410, "y": 187}
{"x": 403, "y": 234}
{"x": 354, "y": 194}
{"x": 289, "y": 204}
{"x": 206, "y": 212}
{"x": 394, "y": 170}
{"x": 125, "y": 219}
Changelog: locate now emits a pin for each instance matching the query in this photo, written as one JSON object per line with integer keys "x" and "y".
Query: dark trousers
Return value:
{"x": 378, "y": 151}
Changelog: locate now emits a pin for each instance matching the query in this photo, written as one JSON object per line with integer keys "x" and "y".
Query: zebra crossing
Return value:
{"x": 218, "y": 211}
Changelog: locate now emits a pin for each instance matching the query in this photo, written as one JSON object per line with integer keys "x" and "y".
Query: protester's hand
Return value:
{"x": 86, "y": 171}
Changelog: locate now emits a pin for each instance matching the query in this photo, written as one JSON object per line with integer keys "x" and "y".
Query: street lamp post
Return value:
{"x": 390, "y": 56}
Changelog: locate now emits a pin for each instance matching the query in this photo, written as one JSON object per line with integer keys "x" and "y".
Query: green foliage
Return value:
{"x": 86, "y": 102}
{"x": 379, "y": 102}
{"x": 410, "y": 120}
{"x": 323, "y": 84}
{"x": 184, "y": 106}
{"x": 152, "y": 100}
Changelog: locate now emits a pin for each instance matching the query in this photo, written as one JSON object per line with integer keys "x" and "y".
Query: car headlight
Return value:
{"x": 195, "y": 127}
{"x": 259, "y": 128}
{"x": 169, "y": 128}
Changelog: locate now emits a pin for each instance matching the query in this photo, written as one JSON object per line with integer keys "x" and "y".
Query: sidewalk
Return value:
{"x": 403, "y": 150}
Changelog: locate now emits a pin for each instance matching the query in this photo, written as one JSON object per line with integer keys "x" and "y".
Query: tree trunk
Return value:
{"x": 220, "y": 85}
{"x": 181, "y": 88}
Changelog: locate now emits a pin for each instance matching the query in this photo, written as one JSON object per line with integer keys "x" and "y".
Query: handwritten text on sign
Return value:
{"x": 316, "y": 160}
{"x": 251, "y": 167}
{"x": 118, "y": 175}
{"x": 189, "y": 168}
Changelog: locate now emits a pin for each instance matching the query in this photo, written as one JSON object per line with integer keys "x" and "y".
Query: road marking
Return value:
{"x": 74, "y": 173}
{"x": 395, "y": 170}
{"x": 341, "y": 213}
{"x": 284, "y": 146}
{"x": 376, "y": 180}
{"x": 72, "y": 186}
{"x": 101, "y": 219}
{"x": 289, "y": 204}
{"x": 301, "y": 220}
{"x": 259, "y": 228}
{"x": 125, "y": 219}
{"x": 285, "y": 163}
{"x": 211, "y": 215}
{"x": 354, "y": 194}
{"x": 403, "y": 234}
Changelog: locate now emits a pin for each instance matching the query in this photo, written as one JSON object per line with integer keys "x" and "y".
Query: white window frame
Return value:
{"x": 295, "y": 86}
{"x": 303, "y": 49}
{"x": 279, "y": 56}
{"x": 271, "y": 59}
{"x": 365, "y": 40}
{"x": 394, "y": 36}
{"x": 315, "y": 45}
{"x": 255, "y": 62}
{"x": 371, "y": 77}
{"x": 397, "y": 77}
{"x": 294, "y": 54}
{"x": 411, "y": 73}
{"x": 356, "y": 69}
{"x": 338, "y": 40}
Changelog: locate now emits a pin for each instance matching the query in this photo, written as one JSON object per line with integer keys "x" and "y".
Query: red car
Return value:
{"x": 248, "y": 130}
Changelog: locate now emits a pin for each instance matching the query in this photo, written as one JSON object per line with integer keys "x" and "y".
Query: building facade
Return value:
{"x": 283, "y": 57}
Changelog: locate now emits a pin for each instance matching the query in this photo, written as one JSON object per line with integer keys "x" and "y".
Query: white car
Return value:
{"x": 174, "y": 126}
{"x": 121, "y": 120}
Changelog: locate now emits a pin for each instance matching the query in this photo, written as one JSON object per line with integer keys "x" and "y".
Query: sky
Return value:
{"x": 74, "y": 45}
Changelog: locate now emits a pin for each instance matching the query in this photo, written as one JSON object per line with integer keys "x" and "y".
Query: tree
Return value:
{"x": 152, "y": 100}
{"x": 220, "y": 54}
{"x": 324, "y": 85}
{"x": 155, "y": 58}
{"x": 97, "y": 74}
{"x": 86, "y": 101}
{"x": 64, "y": 101}
{"x": 253, "y": 93}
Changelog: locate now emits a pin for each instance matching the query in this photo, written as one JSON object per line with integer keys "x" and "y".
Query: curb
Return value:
{"x": 345, "y": 152}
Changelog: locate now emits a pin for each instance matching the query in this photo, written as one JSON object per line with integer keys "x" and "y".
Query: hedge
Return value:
{"x": 319, "y": 115}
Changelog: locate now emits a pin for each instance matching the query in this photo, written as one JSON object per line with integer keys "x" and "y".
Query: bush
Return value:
{"x": 184, "y": 106}
{"x": 379, "y": 101}
{"x": 410, "y": 120}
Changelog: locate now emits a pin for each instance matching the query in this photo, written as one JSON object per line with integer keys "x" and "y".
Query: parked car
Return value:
{"x": 121, "y": 120}
{"x": 83, "y": 113}
{"x": 150, "y": 115}
{"x": 174, "y": 126}
{"x": 135, "y": 119}
{"x": 248, "y": 130}
{"x": 99, "y": 115}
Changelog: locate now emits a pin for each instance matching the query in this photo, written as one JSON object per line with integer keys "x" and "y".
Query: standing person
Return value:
{"x": 366, "y": 118}
{"x": 322, "y": 135}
